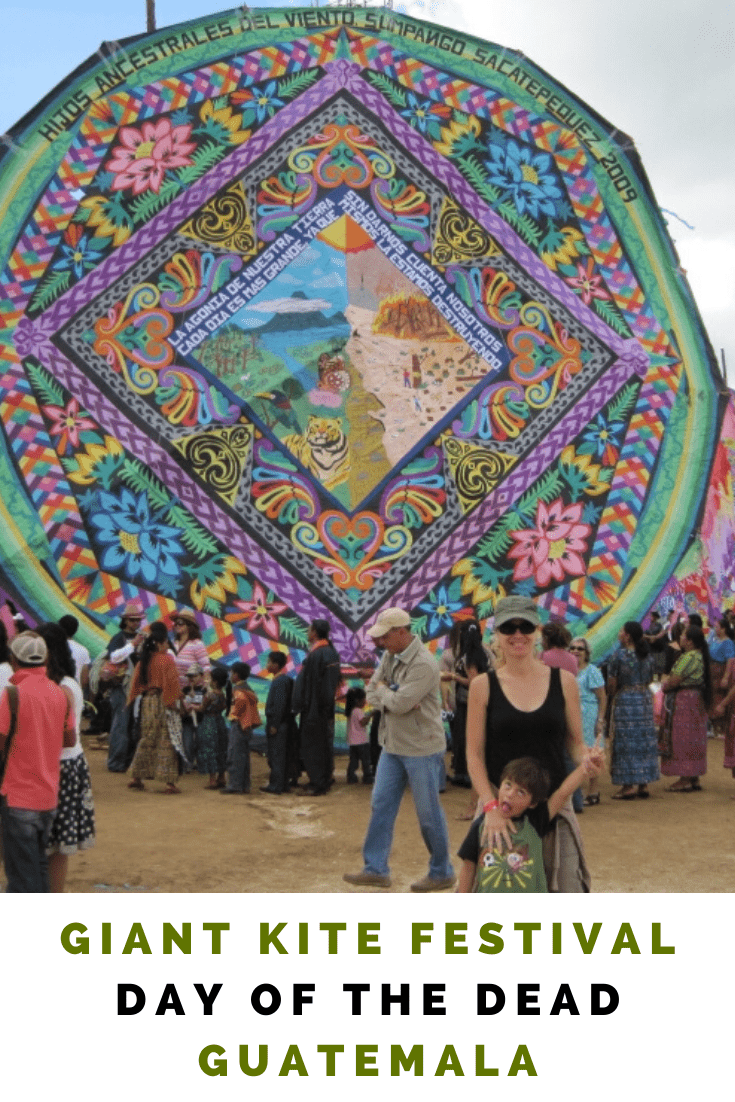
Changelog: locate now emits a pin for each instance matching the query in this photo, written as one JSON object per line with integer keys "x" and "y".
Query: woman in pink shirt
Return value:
{"x": 555, "y": 639}
{"x": 188, "y": 646}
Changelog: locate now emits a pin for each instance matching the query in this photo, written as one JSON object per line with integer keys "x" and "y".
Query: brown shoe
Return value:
{"x": 434, "y": 884}
{"x": 367, "y": 879}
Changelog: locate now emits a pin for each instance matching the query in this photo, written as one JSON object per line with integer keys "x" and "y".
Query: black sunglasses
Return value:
{"x": 510, "y": 627}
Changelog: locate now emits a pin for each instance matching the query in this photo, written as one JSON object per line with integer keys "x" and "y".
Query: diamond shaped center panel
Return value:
{"x": 387, "y": 362}
{"x": 341, "y": 356}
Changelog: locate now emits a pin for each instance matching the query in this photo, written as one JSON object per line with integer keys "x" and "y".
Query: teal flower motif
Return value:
{"x": 135, "y": 537}
{"x": 602, "y": 440}
{"x": 524, "y": 177}
{"x": 426, "y": 115}
{"x": 79, "y": 253}
{"x": 440, "y": 606}
{"x": 263, "y": 101}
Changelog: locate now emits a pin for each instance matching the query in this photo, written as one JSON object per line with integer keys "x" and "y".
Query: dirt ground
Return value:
{"x": 203, "y": 842}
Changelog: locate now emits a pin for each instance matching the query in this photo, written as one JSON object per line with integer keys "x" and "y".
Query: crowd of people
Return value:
{"x": 529, "y": 719}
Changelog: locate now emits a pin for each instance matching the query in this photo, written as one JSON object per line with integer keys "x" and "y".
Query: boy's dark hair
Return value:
{"x": 241, "y": 669}
{"x": 219, "y": 675}
{"x": 530, "y": 774}
{"x": 278, "y": 658}
{"x": 321, "y": 628}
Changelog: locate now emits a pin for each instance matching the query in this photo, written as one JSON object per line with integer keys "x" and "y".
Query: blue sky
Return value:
{"x": 663, "y": 72}
{"x": 318, "y": 272}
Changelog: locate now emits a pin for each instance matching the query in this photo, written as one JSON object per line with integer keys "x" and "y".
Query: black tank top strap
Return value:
{"x": 556, "y": 693}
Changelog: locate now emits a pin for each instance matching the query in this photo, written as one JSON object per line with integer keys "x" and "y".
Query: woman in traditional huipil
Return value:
{"x": 634, "y": 760}
{"x": 722, "y": 669}
{"x": 155, "y": 679}
{"x": 688, "y": 690}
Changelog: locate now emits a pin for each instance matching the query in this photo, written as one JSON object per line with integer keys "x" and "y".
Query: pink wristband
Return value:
{"x": 490, "y": 805}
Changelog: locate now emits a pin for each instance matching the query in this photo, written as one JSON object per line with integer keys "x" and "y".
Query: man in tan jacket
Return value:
{"x": 405, "y": 687}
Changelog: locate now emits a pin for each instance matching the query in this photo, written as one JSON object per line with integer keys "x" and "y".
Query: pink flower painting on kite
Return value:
{"x": 258, "y": 613}
{"x": 586, "y": 284}
{"x": 552, "y": 549}
{"x": 66, "y": 423}
{"x": 146, "y": 154}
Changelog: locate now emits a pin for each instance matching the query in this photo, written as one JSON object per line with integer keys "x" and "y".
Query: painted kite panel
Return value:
{"x": 312, "y": 311}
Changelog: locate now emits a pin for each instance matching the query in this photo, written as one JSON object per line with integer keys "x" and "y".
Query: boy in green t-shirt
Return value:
{"x": 524, "y": 785}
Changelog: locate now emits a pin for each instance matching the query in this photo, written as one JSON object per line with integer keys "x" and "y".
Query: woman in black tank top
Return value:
{"x": 527, "y": 710}
{"x": 511, "y": 733}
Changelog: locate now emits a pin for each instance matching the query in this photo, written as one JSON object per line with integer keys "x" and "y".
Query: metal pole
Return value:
{"x": 150, "y": 14}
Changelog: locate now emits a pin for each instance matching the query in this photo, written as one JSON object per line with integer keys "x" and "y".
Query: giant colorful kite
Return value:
{"x": 307, "y": 312}
{"x": 704, "y": 580}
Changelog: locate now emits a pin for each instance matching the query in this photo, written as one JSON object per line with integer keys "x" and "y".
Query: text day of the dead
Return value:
{"x": 385, "y": 998}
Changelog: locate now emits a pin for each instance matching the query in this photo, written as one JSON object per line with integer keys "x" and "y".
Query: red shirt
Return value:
{"x": 32, "y": 774}
{"x": 244, "y": 706}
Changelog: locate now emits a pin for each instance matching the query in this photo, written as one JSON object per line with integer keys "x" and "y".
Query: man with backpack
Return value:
{"x": 36, "y": 722}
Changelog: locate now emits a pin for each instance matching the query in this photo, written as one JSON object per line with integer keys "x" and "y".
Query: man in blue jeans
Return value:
{"x": 405, "y": 687}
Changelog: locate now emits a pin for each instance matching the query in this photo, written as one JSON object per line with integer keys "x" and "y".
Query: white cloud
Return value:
{"x": 333, "y": 280}
{"x": 291, "y": 305}
{"x": 307, "y": 259}
{"x": 710, "y": 268}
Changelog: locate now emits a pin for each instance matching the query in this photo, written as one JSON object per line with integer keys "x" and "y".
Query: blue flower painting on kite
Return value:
{"x": 135, "y": 538}
{"x": 524, "y": 177}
